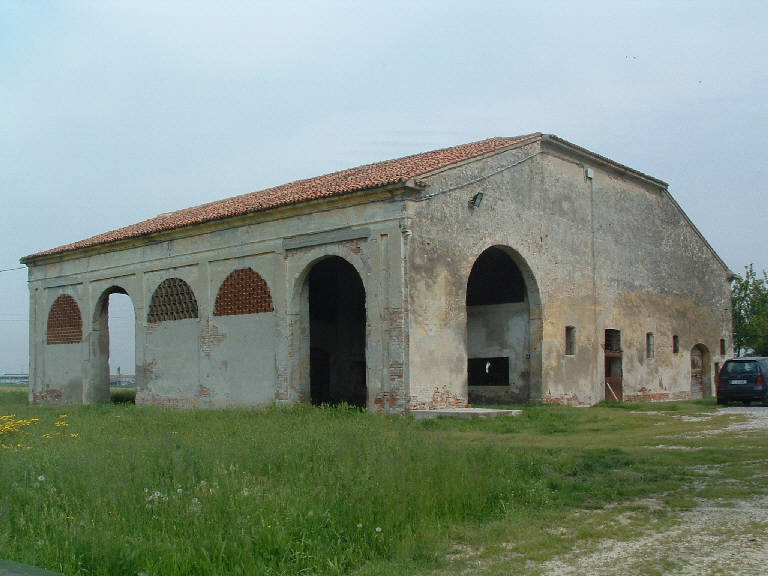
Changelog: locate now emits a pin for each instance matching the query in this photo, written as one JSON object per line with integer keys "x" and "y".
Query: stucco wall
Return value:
{"x": 601, "y": 250}
{"x": 606, "y": 251}
{"x": 447, "y": 237}
{"x": 250, "y": 359}
{"x": 501, "y": 330}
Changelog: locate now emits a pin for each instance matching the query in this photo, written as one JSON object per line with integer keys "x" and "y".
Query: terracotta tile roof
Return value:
{"x": 369, "y": 176}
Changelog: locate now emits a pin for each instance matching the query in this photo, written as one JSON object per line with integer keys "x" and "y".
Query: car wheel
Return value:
{"x": 765, "y": 398}
{"x": 746, "y": 402}
{"x": 722, "y": 401}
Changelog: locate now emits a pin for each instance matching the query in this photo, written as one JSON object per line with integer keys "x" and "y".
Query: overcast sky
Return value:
{"x": 111, "y": 113}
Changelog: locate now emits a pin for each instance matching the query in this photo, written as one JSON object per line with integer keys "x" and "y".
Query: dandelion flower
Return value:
{"x": 378, "y": 529}
{"x": 41, "y": 478}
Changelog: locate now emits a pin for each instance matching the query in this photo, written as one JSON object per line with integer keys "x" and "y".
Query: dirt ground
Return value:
{"x": 728, "y": 538}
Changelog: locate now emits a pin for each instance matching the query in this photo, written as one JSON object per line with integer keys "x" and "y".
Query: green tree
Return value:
{"x": 749, "y": 297}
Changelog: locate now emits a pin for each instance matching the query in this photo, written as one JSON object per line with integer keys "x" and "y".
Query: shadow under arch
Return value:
{"x": 504, "y": 327}
{"x": 328, "y": 327}
{"x": 99, "y": 343}
{"x": 701, "y": 377}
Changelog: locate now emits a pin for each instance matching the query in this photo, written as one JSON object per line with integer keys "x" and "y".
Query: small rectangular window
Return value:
{"x": 570, "y": 340}
{"x": 612, "y": 340}
{"x": 675, "y": 344}
{"x": 649, "y": 345}
{"x": 722, "y": 346}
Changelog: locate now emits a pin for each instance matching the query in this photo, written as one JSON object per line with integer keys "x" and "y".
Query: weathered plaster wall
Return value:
{"x": 447, "y": 236}
{"x": 610, "y": 251}
{"x": 501, "y": 330}
{"x": 64, "y": 375}
{"x": 606, "y": 251}
{"x": 655, "y": 274}
{"x": 212, "y": 360}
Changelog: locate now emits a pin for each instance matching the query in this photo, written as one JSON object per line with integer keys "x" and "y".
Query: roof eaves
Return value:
{"x": 161, "y": 235}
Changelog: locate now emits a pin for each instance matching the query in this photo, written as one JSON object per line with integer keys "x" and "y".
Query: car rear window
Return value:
{"x": 733, "y": 368}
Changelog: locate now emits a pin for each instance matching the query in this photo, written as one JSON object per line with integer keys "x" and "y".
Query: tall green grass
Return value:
{"x": 121, "y": 489}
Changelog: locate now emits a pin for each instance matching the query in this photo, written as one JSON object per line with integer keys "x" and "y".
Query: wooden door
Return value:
{"x": 697, "y": 373}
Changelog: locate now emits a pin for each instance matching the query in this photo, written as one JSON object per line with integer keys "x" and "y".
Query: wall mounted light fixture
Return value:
{"x": 476, "y": 200}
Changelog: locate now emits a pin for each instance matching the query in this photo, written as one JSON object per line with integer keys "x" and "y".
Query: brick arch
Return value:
{"x": 173, "y": 299}
{"x": 65, "y": 324}
{"x": 244, "y": 291}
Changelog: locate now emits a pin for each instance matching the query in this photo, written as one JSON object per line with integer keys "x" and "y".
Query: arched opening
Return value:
{"x": 337, "y": 368}
{"x": 172, "y": 300}
{"x": 244, "y": 291}
{"x": 65, "y": 324}
{"x": 503, "y": 338}
{"x": 701, "y": 380}
{"x": 113, "y": 347}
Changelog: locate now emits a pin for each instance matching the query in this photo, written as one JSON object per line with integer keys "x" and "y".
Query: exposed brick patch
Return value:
{"x": 52, "y": 396}
{"x": 645, "y": 394}
{"x": 210, "y": 336}
{"x": 564, "y": 400}
{"x": 441, "y": 398}
{"x": 243, "y": 292}
{"x": 167, "y": 402}
{"x": 172, "y": 300}
{"x": 396, "y": 399}
{"x": 65, "y": 324}
{"x": 387, "y": 401}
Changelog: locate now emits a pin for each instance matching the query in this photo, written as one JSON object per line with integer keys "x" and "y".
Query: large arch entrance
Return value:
{"x": 113, "y": 346}
{"x": 701, "y": 382}
{"x": 503, "y": 329}
{"x": 337, "y": 369}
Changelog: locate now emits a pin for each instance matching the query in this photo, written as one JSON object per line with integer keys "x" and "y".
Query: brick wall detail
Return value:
{"x": 243, "y": 292}
{"x": 65, "y": 324}
{"x": 172, "y": 300}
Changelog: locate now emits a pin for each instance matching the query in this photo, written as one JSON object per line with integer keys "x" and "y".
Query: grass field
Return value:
{"x": 120, "y": 489}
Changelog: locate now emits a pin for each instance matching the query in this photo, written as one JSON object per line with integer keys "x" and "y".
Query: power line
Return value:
{"x": 10, "y": 269}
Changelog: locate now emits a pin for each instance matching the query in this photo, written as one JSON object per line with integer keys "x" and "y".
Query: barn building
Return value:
{"x": 506, "y": 270}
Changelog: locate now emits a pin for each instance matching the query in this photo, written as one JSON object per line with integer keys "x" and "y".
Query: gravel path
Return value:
{"x": 713, "y": 538}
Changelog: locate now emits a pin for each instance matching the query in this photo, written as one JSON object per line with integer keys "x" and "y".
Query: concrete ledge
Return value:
{"x": 8, "y": 568}
{"x": 462, "y": 413}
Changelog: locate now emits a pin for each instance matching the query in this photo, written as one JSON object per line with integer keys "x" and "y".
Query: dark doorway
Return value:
{"x": 113, "y": 347}
{"x": 337, "y": 333}
{"x": 614, "y": 383}
{"x": 498, "y": 326}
